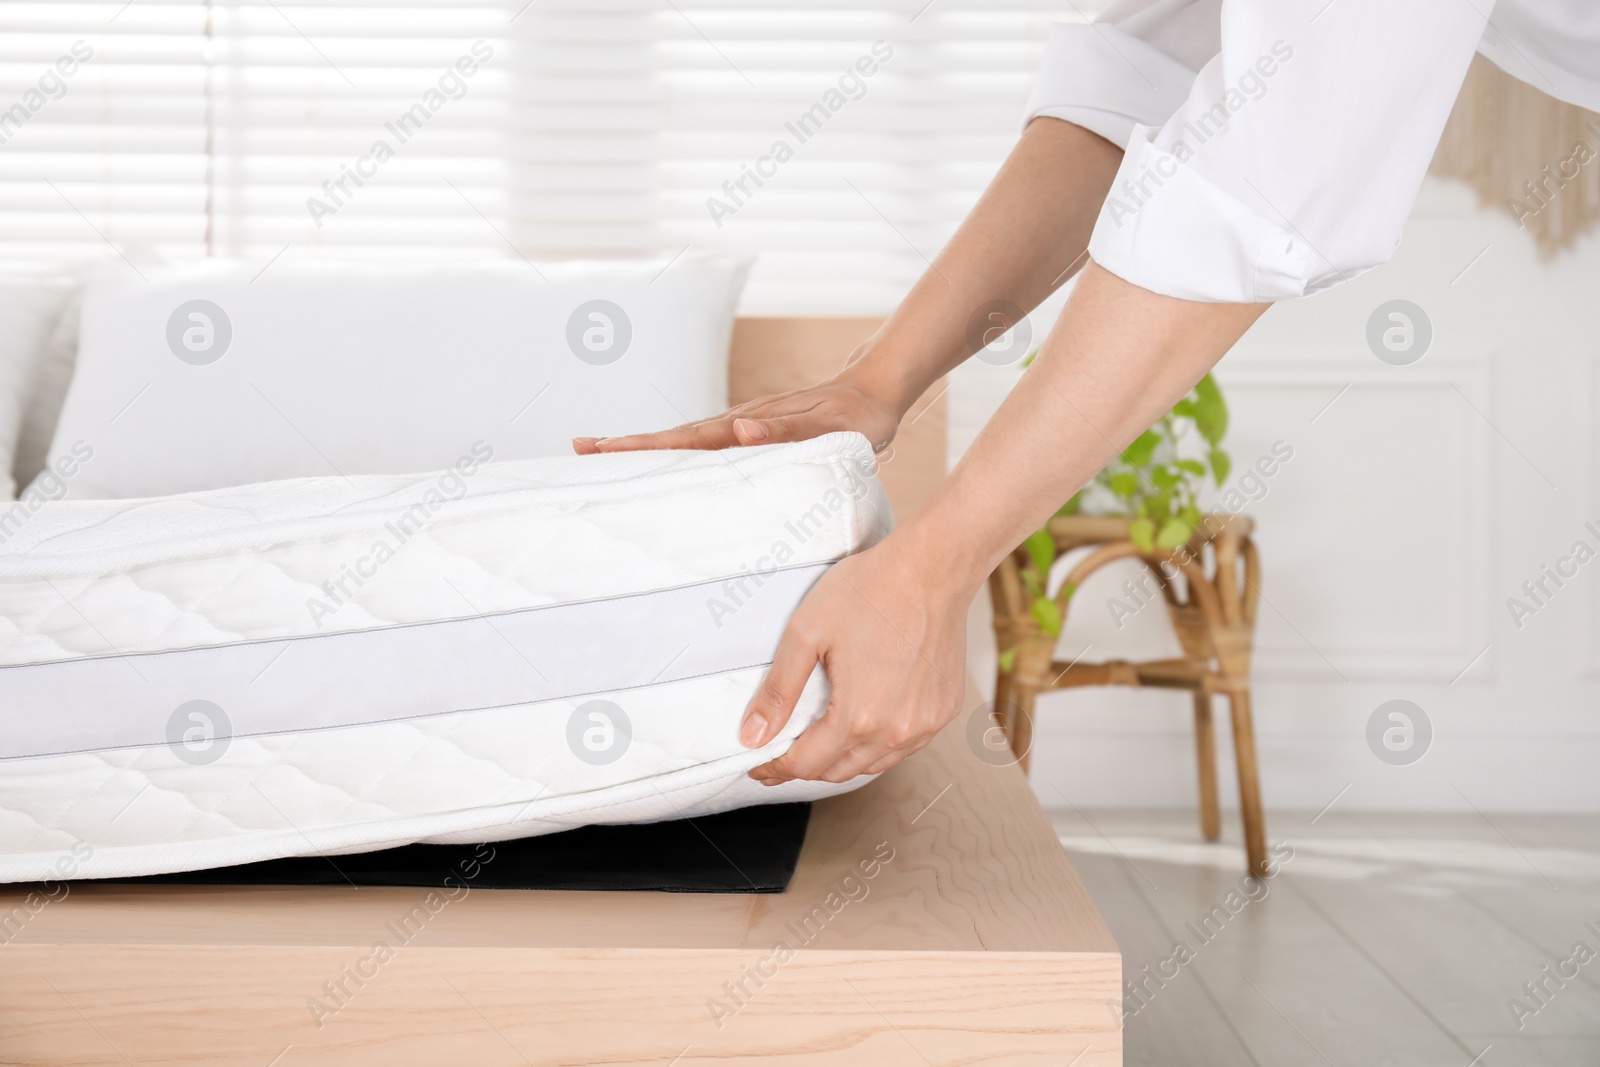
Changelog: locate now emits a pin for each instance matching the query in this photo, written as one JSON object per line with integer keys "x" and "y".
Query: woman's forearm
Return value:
{"x": 1118, "y": 358}
{"x": 1027, "y": 235}
{"x": 889, "y": 623}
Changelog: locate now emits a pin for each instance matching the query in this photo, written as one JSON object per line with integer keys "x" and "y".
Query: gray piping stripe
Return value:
{"x": 365, "y": 677}
{"x": 395, "y": 718}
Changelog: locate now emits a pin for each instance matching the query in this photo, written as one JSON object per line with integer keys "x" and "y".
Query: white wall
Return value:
{"x": 1391, "y": 542}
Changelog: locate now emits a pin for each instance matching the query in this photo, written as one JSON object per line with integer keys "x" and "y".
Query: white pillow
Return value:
{"x": 209, "y": 376}
{"x": 52, "y": 375}
{"x": 30, "y": 309}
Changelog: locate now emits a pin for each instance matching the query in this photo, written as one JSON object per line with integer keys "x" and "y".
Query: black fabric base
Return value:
{"x": 750, "y": 850}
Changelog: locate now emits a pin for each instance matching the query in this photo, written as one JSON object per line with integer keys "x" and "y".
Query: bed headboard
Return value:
{"x": 770, "y": 355}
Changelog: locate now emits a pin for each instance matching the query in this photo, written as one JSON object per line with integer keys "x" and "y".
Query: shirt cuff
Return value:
{"x": 1165, "y": 228}
{"x": 1107, "y": 81}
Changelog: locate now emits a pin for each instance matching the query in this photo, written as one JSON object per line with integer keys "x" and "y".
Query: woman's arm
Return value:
{"x": 1026, "y": 235}
{"x": 1290, "y": 166}
{"x": 889, "y": 624}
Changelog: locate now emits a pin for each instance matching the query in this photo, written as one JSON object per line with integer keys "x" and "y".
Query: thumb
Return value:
{"x": 775, "y": 698}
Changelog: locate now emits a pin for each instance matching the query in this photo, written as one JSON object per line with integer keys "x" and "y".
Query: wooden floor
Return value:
{"x": 1385, "y": 939}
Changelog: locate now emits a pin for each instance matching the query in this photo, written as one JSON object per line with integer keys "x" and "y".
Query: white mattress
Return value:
{"x": 384, "y": 660}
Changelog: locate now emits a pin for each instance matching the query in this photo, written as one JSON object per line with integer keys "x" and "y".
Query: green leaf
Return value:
{"x": 1184, "y": 409}
{"x": 1048, "y": 615}
{"x": 1143, "y": 447}
{"x": 1174, "y": 532}
{"x": 1191, "y": 515}
{"x": 1008, "y": 660}
{"x": 1041, "y": 551}
{"x": 1073, "y": 506}
{"x": 1221, "y": 464}
{"x": 1142, "y": 532}
{"x": 1125, "y": 483}
{"x": 1165, "y": 477}
{"x": 1067, "y": 589}
{"x": 1027, "y": 361}
{"x": 1032, "y": 581}
{"x": 1193, "y": 466}
{"x": 1211, "y": 411}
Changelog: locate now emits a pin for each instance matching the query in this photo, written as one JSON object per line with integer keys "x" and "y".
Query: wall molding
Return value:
{"x": 1465, "y": 380}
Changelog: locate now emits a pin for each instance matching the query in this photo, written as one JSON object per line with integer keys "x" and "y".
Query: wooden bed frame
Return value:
{"x": 933, "y": 918}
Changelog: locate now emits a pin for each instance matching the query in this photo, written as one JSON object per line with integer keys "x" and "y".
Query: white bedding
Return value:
{"x": 330, "y": 665}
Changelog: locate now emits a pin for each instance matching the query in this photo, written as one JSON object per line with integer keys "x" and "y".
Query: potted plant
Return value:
{"x": 1155, "y": 482}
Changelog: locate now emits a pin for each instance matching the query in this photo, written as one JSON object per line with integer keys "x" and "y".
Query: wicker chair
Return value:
{"x": 1213, "y": 615}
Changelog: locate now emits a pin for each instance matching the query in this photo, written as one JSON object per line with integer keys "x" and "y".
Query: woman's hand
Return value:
{"x": 891, "y": 630}
{"x": 851, "y": 400}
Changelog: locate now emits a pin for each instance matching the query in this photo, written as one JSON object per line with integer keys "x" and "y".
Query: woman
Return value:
{"x": 1198, "y": 160}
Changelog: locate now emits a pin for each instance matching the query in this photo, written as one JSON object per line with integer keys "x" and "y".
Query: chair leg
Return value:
{"x": 1020, "y": 725}
{"x": 1205, "y": 748}
{"x": 1002, "y": 700}
{"x": 1244, "y": 751}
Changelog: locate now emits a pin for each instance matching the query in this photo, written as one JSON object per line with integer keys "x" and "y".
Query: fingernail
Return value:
{"x": 582, "y": 441}
{"x": 750, "y": 429}
{"x": 755, "y": 724}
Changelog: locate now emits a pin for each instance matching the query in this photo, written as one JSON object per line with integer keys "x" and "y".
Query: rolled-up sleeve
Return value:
{"x": 1103, "y": 78}
{"x": 1294, "y": 155}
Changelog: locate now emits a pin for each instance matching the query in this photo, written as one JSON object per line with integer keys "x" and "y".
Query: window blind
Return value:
{"x": 841, "y": 143}
{"x": 873, "y": 190}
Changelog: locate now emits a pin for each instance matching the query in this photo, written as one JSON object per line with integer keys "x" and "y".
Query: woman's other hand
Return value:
{"x": 851, "y": 400}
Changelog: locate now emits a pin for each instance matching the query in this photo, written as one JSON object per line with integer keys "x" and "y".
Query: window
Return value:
{"x": 843, "y": 143}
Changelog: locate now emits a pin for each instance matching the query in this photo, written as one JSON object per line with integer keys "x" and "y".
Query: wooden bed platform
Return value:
{"x": 933, "y": 919}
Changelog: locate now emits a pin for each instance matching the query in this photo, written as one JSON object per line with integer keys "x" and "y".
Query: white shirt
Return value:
{"x": 1273, "y": 148}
